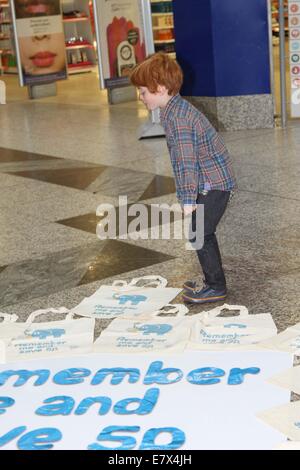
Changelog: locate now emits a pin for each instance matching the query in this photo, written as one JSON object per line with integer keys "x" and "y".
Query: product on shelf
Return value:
{"x": 163, "y": 26}
{"x": 74, "y": 14}
{"x": 7, "y": 57}
{"x": 79, "y": 37}
{"x": 162, "y": 7}
{"x": 77, "y": 41}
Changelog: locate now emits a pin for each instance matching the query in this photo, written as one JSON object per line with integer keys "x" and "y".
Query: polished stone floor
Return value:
{"x": 61, "y": 157}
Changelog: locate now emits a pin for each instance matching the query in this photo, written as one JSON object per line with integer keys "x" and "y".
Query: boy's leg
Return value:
{"x": 215, "y": 203}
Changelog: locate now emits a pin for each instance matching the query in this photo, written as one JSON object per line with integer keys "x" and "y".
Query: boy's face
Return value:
{"x": 151, "y": 100}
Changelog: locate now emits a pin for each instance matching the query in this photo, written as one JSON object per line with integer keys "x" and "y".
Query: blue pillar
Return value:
{"x": 223, "y": 49}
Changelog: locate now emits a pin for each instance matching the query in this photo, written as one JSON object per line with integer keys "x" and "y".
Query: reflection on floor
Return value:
{"x": 61, "y": 157}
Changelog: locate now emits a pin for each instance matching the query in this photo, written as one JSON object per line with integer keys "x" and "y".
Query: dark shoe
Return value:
{"x": 206, "y": 294}
{"x": 190, "y": 286}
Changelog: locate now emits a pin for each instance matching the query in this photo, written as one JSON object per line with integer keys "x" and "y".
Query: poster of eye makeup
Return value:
{"x": 39, "y": 41}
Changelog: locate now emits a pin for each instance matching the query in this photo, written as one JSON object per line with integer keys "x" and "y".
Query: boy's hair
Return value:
{"x": 158, "y": 69}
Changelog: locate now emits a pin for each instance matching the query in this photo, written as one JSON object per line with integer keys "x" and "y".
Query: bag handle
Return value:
{"x": 215, "y": 312}
{"x": 158, "y": 281}
{"x": 35, "y": 314}
{"x": 177, "y": 310}
{"x": 119, "y": 283}
{"x": 7, "y": 318}
{"x": 150, "y": 281}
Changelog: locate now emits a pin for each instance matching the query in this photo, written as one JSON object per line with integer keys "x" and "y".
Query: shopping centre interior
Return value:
{"x": 62, "y": 159}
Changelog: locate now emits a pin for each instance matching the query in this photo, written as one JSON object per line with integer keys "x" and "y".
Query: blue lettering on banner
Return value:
{"x": 24, "y": 375}
{"x": 63, "y": 408}
{"x": 145, "y": 405}
{"x": 156, "y": 374}
{"x": 5, "y": 402}
{"x": 64, "y": 405}
{"x": 9, "y": 436}
{"x": 118, "y": 374}
{"x": 39, "y": 439}
{"x": 86, "y": 403}
{"x": 236, "y": 375}
{"x": 148, "y": 442}
{"x": 205, "y": 376}
{"x": 71, "y": 376}
{"x": 127, "y": 442}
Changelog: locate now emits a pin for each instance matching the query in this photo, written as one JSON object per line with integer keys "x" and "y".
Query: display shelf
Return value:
{"x": 157, "y": 28}
{"x": 275, "y": 17}
{"x": 7, "y": 57}
{"x": 162, "y": 14}
{"x": 80, "y": 46}
{"x": 163, "y": 26}
{"x": 75, "y": 20}
{"x": 164, "y": 41}
{"x": 77, "y": 26}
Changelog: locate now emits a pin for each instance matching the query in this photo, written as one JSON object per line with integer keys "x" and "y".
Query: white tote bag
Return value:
{"x": 288, "y": 340}
{"x": 5, "y": 333}
{"x": 31, "y": 340}
{"x": 214, "y": 332}
{"x": 123, "y": 298}
{"x": 155, "y": 333}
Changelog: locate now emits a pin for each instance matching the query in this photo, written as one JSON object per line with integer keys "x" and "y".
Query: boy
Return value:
{"x": 201, "y": 164}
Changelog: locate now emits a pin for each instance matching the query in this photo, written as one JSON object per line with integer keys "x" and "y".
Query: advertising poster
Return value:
{"x": 193, "y": 400}
{"x": 121, "y": 36}
{"x": 294, "y": 48}
{"x": 40, "y": 41}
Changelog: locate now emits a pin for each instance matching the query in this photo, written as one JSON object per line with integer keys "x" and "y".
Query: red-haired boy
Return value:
{"x": 201, "y": 164}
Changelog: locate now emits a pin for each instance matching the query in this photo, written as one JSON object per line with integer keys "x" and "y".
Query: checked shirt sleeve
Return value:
{"x": 187, "y": 171}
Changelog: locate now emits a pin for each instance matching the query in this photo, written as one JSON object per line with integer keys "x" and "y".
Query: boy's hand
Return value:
{"x": 188, "y": 209}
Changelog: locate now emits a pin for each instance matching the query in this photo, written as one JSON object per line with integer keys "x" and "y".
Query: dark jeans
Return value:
{"x": 215, "y": 203}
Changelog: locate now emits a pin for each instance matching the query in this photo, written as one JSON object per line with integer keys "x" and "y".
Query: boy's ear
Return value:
{"x": 161, "y": 90}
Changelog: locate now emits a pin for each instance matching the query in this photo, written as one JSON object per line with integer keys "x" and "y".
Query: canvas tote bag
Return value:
{"x": 5, "y": 333}
{"x": 211, "y": 331}
{"x": 31, "y": 340}
{"x": 127, "y": 298}
{"x": 147, "y": 334}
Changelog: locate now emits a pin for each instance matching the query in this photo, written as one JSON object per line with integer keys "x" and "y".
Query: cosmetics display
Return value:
{"x": 79, "y": 39}
{"x": 163, "y": 26}
{"x": 7, "y": 57}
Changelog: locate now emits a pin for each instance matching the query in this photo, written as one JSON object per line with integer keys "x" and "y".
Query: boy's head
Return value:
{"x": 158, "y": 70}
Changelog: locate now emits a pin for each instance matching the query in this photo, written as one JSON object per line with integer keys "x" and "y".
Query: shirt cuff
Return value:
{"x": 189, "y": 200}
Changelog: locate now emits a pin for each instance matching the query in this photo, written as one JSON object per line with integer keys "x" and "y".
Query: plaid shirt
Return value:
{"x": 199, "y": 157}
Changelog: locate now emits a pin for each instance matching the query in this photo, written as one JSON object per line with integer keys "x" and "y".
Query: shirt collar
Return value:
{"x": 164, "y": 112}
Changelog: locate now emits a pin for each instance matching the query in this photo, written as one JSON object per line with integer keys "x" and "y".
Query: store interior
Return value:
{"x": 82, "y": 84}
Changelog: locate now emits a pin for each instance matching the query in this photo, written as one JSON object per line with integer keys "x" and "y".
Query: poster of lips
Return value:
{"x": 40, "y": 42}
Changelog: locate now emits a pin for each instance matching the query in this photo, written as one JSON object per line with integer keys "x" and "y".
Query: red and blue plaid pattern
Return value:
{"x": 198, "y": 154}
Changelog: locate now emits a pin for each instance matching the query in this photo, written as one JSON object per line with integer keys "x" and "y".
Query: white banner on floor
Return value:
{"x": 194, "y": 400}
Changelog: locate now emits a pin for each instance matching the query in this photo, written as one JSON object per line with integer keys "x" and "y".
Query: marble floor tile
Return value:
{"x": 130, "y": 183}
{"x": 126, "y": 220}
{"x": 64, "y": 269}
{"x": 159, "y": 165}
{"x": 159, "y": 186}
{"x": 55, "y": 164}
{"x": 32, "y": 191}
{"x": 78, "y": 178}
{"x": 10, "y": 155}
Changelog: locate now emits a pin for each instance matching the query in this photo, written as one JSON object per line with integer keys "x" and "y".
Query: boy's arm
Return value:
{"x": 186, "y": 163}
